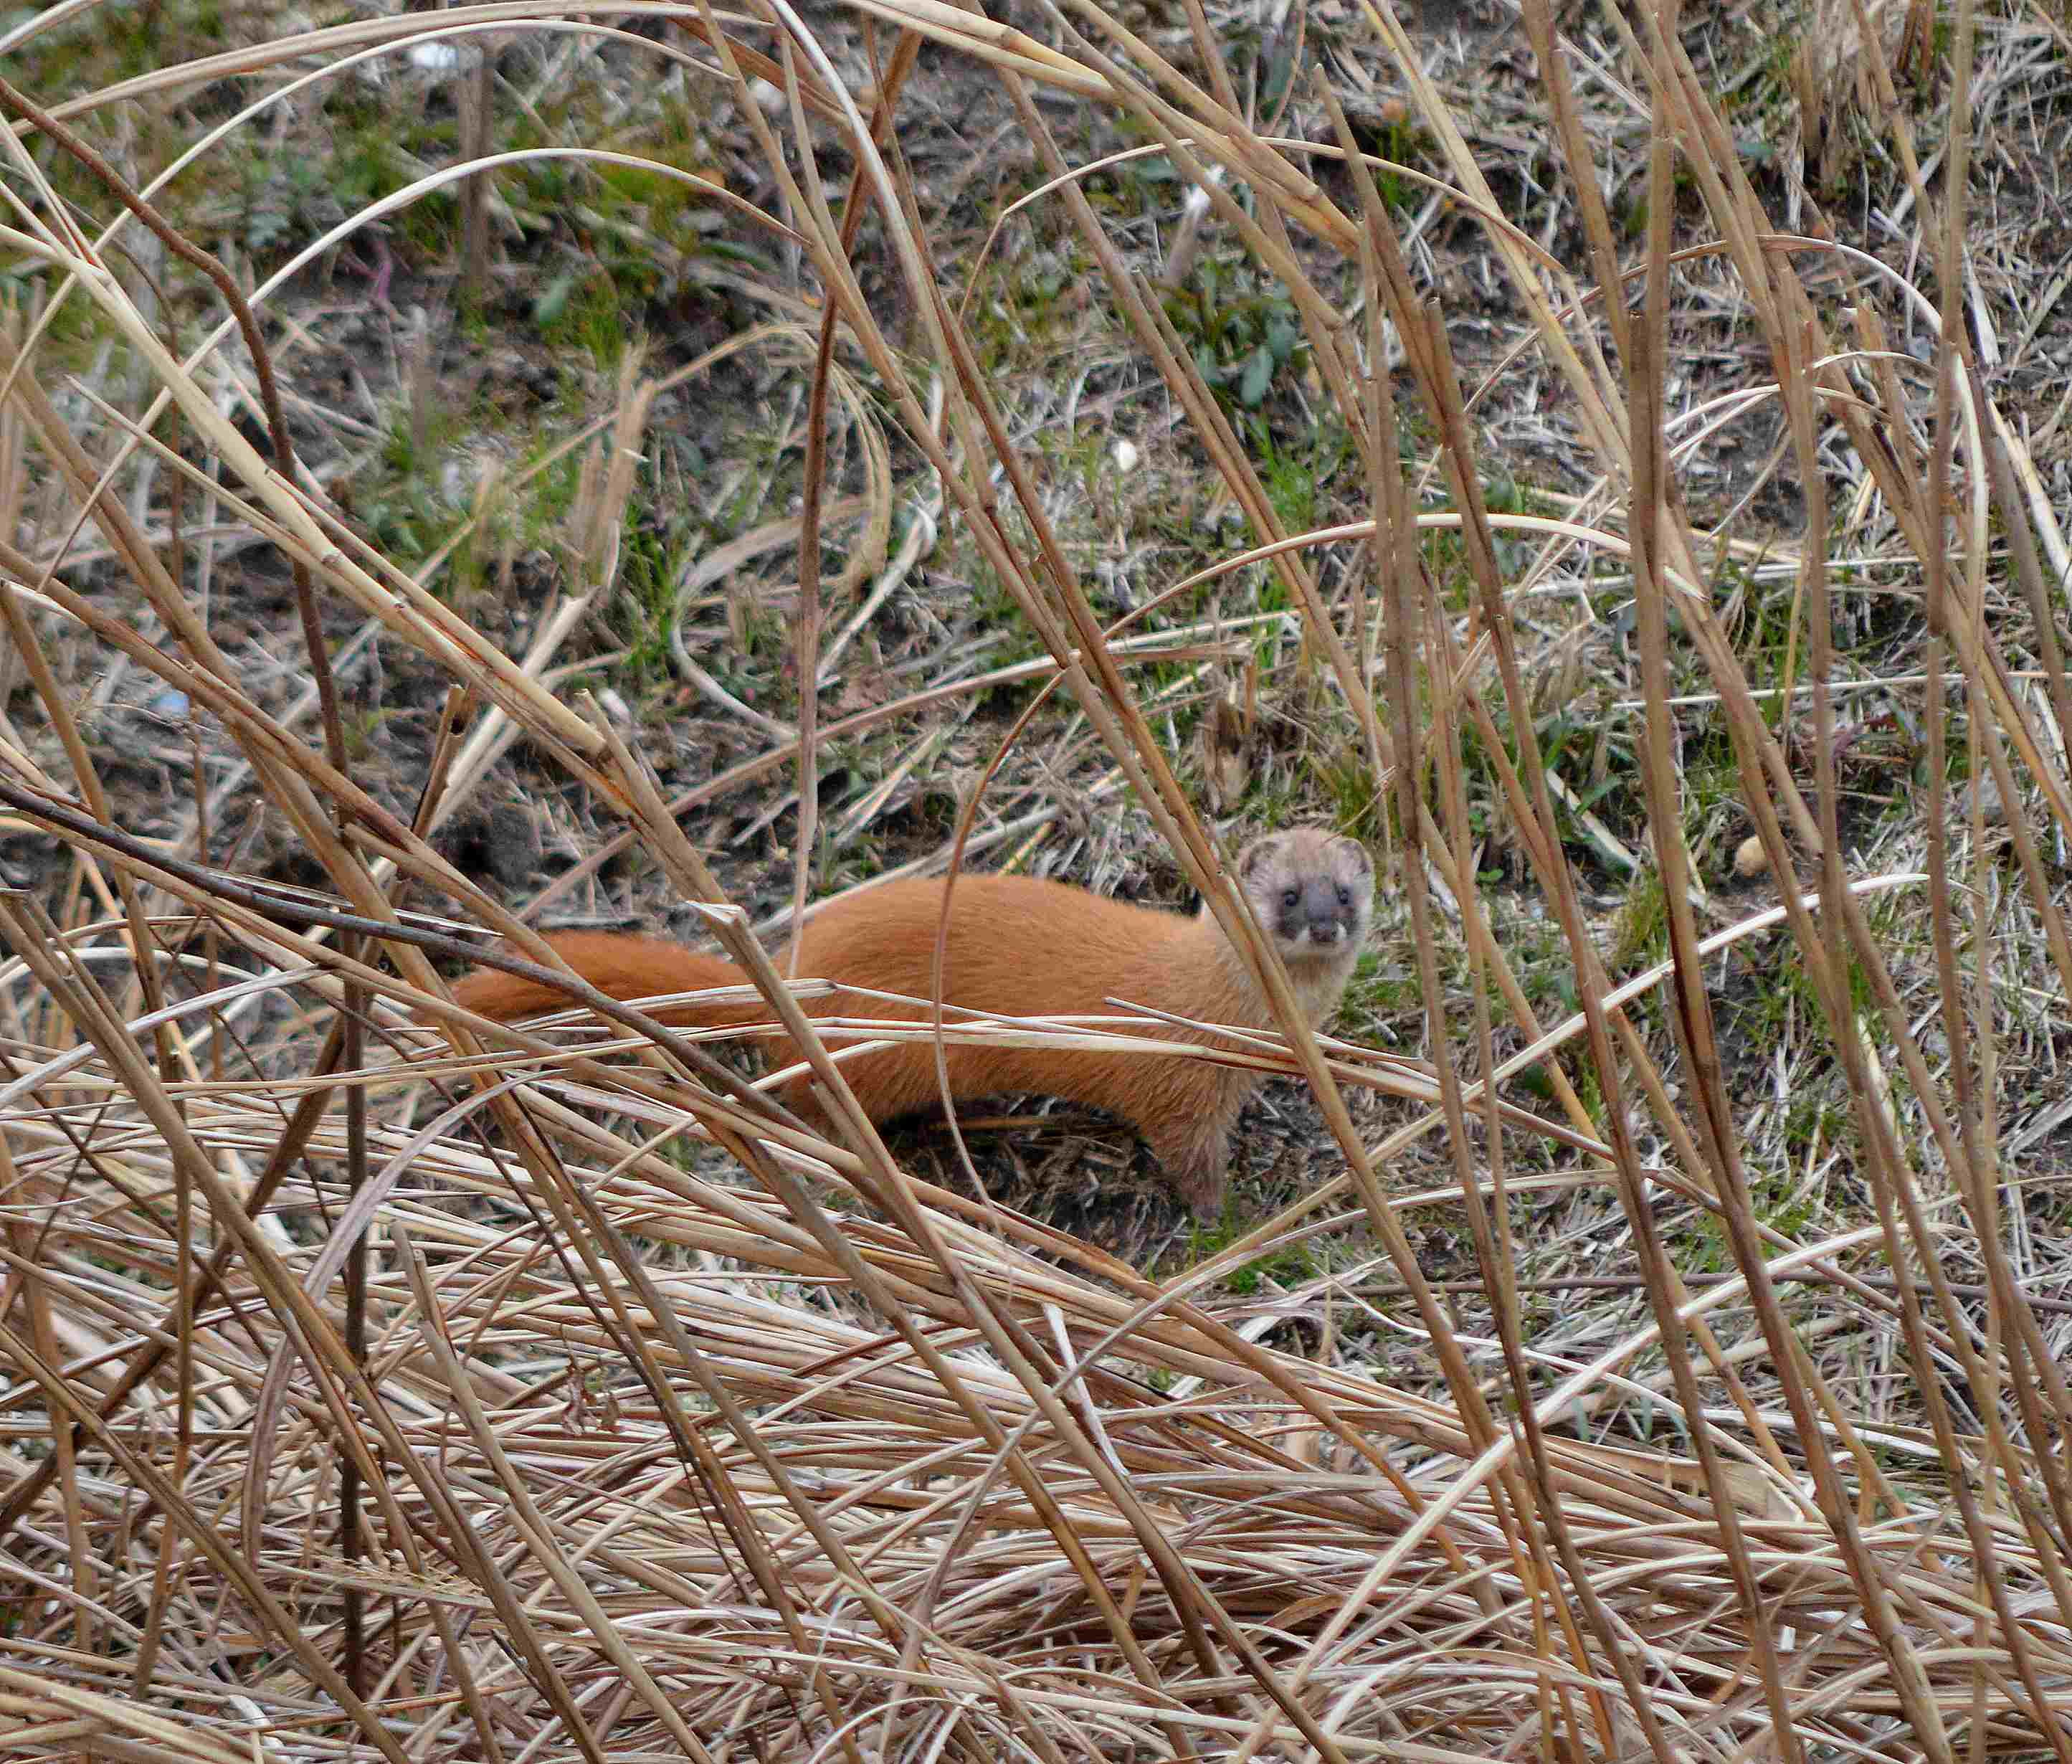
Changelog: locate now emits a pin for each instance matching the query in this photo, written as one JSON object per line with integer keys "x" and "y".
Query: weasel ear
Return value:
{"x": 1365, "y": 858}
{"x": 1255, "y": 855}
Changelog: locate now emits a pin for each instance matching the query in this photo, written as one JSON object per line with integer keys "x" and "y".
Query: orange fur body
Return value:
{"x": 1016, "y": 947}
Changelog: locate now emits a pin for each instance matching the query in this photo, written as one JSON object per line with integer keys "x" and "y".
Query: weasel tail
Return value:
{"x": 1021, "y": 948}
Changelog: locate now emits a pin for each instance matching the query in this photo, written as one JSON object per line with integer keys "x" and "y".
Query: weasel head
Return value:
{"x": 1313, "y": 892}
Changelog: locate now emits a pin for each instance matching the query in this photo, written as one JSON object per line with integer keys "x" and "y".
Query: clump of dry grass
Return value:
{"x": 382, "y": 1381}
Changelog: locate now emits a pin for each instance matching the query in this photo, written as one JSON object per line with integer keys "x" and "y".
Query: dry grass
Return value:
{"x": 1668, "y": 1364}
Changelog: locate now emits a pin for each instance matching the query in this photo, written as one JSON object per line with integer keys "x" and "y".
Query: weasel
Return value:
{"x": 1021, "y": 948}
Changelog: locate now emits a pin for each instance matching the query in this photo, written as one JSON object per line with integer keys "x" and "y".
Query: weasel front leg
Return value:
{"x": 1195, "y": 1153}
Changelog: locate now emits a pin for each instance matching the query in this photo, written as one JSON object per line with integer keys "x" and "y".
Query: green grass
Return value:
{"x": 1643, "y": 937}
{"x": 1381, "y": 990}
{"x": 1294, "y": 1266}
{"x": 649, "y": 564}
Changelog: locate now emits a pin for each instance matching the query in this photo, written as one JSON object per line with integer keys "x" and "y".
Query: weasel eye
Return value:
{"x": 1290, "y": 896}
{"x": 1345, "y": 895}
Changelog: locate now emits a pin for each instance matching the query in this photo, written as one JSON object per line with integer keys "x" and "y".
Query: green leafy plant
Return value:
{"x": 1243, "y": 328}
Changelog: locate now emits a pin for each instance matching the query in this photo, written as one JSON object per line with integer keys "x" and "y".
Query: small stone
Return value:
{"x": 1125, "y": 458}
{"x": 1985, "y": 788}
{"x": 511, "y": 843}
{"x": 1750, "y": 859}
